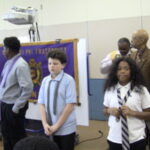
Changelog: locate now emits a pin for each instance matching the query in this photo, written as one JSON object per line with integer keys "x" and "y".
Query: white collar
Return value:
{"x": 119, "y": 86}
{"x": 58, "y": 77}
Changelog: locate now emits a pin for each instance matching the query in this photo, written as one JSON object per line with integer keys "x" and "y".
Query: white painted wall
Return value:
{"x": 110, "y": 9}
{"x": 101, "y": 22}
{"x": 53, "y": 12}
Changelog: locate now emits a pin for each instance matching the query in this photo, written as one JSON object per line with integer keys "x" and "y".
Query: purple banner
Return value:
{"x": 35, "y": 54}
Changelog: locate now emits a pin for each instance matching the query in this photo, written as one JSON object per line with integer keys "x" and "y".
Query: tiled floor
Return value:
{"x": 90, "y": 133}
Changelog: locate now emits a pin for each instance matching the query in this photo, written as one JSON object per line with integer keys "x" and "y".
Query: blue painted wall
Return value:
{"x": 96, "y": 100}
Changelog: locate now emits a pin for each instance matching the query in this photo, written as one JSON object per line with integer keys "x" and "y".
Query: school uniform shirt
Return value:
{"x": 18, "y": 86}
{"x": 66, "y": 95}
{"x": 137, "y": 102}
{"x": 108, "y": 60}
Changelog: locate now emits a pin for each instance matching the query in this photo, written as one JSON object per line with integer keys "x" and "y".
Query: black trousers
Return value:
{"x": 139, "y": 145}
{"x": 65, "y": 142}
{"x": 12, "y": 125}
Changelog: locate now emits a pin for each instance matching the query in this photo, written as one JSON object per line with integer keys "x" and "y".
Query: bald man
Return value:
{"x": 142, "y": 55}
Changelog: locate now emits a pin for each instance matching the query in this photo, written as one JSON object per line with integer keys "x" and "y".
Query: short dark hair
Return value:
{"x": 137, "y": 79}
{"x": 124, "y": 39}
{"x": 58, "y": 54}
{"x": 12, "y": 43}
{"x": 35, "y": 143}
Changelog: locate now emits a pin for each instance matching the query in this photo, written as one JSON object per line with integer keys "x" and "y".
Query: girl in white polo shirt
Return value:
{"x": 127, "y": 103}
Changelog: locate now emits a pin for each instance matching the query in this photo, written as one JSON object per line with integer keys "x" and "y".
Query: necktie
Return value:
{"x": 55, "y": 97}
{"x": 124, "y": 124}
{"x": 48, "y": 103}
{"x": 54, "y": 101}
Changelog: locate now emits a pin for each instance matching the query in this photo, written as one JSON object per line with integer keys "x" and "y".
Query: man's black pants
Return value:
{"x": 12, "y": 125}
